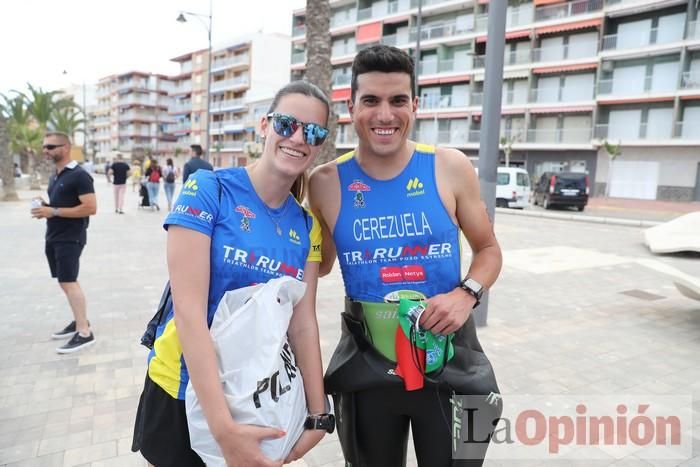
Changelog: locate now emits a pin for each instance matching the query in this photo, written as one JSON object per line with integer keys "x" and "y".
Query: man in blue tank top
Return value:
{"x": 392, "y": 212}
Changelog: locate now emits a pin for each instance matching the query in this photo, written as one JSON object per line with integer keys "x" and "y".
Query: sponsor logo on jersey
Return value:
{"x": 414, "y": 187}
{"x": 246, "y": 215}
{"x": 294, "y": 237}
{"x": 407, "y": 273}
{"x": 194, "y": 212}
{"x": 190, "y": 187}
{"x": 260, "y": 262}
{"x": 398, "y": 253}
{"x": 358, "y": 187}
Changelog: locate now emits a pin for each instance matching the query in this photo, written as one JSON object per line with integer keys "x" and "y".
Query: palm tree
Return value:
{"x": 6, "y": 164}
{"x": 318, "y": 64}
{"x": 66, "y": 119}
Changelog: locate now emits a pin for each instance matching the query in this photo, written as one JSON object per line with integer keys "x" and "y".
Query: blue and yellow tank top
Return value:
{"x": 395, "y": 235}
{"x": 250, "y": 243}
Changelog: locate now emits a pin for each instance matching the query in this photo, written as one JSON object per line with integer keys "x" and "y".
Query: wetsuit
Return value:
{"x": 394, "y": 239}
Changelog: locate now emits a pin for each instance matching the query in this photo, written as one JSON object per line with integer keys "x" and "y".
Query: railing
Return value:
{"x": 476, "y": 99}
{"x": 564, "y": 10}
{"x": 516, "y": 16}
{"x": 568, "y": 52}
{"x": 185, "y": 126}
{"x": 226, "y": 104}
{"x": 229, "y": 122}
{"x": 440, "y": 31}
{"x": 651, "y": 85}
{"x": 340, "y": 108}
{"x": 230, "y": 61}
{"x": 136, "y": 99}
{"x": 341, "y": 80}
{"x": 298, "y": 57}
{"x": 517, "y": 57}
{"x": 230, "y": 145}
{"x": 132, "y": 83}
{"x": 182, "y": 106}
{"x": 132, "y": 115}
{"x": 444, "y": 101}
{"x": 693, "y": 31}
{"x": 183, "y": 87}
{"x": 687, "y": 130}
{"x": 690, "y": 80}
{"x": 560, "y": 135}
{"x": 474, "y": 136}
{"x": 622, "y": 132}
{"x": 479, "y": 61}
{"x": 443, "y": 66}
{"x": 515, "y": 97}
{"x": 342, "y": 50}
{"x": 186, "y": 67}
{"x": 337, "y": 21}
{"x": 229, "y": 83}
{"x": 299, "y": 30}
{"x": 562, "y": 94}
{"x": 346, "y": 138}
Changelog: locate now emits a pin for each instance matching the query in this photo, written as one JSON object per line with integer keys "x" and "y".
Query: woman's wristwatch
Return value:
{"x": 321, "y": 421}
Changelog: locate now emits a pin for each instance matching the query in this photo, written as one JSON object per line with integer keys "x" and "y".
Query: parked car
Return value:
{"x": 567, "y": 189}
{"x": 512, "y": 188}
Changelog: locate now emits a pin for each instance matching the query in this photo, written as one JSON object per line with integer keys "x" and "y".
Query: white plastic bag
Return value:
{"x": 257, "y": 368}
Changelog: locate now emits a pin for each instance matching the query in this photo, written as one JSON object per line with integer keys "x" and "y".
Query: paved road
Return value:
{"x": 572, "y": 313}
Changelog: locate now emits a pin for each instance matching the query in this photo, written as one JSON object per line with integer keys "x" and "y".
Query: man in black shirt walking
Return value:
{"x": 71, "y": 203}
{"x": 119, "y": 170}
{"x": 195, "y": 163}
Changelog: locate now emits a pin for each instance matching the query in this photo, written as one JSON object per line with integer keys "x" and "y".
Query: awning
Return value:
{"x": 562, "y": 69}
{"x": 368, "y": 33}
{"x": 591, "y": 23}
{"x": 547, "y": 2}
{"x": 431, "y": 115}
{"x": 634, "y": 100}
{"x": 556, "y": 110}
{"x": 340, "y": 95}
{"x": 512, "y": 111}
{"x": 518, "y": 34}
{"x": 690, "y": 97}
{"x": 446, "y": 80}
{"x": 515, "y": 74}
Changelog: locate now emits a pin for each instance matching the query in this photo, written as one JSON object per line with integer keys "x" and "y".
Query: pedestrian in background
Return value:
{"x": 71, "y": 203}
{"x": 153, "y": 176}
{"x": 195, "y": 163}
{"x": 108, "y": 164}
{"x": 169, "y": 175}
{"x": 136, "y": 176}
{"x": 119, "y": 171}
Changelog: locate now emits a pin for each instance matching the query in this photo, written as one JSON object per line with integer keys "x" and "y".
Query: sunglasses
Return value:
{"x": 286, "y": 126}
{"x": 51, "y": 147}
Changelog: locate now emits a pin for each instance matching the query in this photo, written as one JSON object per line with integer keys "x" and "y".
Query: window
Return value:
{"x": 522, "y": 179}
{"x": 503, "y": 178}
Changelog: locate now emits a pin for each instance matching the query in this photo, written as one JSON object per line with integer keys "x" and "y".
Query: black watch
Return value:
{"x": 473, "y": 288}
{"x": 323, "y": 421}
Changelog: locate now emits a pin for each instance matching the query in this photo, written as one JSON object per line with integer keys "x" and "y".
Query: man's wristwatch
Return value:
{"x": 473, "y": 288}
{"x": 322, "y": 421}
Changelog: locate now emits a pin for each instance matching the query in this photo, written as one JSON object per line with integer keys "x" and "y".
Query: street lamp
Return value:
{"x": 181, "y": 19}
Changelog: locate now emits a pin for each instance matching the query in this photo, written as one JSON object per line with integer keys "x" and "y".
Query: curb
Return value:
{"x": 579, "y": 218}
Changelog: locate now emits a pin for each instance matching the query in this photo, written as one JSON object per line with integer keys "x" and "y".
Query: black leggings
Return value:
{"x": 381, "y": 419}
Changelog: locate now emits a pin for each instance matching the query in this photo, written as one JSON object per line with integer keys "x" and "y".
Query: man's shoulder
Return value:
{"x": 324, "y": 172}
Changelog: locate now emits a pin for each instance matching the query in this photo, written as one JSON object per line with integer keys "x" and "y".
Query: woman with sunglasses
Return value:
{"x": 222, "y": 225}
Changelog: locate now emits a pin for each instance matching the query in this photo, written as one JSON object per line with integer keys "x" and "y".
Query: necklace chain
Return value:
{"x": 276, "y": 219}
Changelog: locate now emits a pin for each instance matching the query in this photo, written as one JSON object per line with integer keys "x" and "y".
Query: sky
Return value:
{"x": 56, "y": 43}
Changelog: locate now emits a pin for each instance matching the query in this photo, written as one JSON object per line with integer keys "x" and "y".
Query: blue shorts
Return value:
{"x": 64, "y": 260}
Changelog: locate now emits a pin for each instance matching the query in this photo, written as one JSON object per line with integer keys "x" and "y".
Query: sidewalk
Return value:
{"x": 573, "y": 313}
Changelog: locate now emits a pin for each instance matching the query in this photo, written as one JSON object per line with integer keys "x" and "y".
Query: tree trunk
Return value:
{"x": 7, "y": 170}
{"x": 318, "y": 64}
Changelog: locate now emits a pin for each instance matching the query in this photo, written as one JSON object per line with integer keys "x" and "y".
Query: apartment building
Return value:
{"x": 131, "y": 116}
{"x": 577, "y": 74}
{"x": 244, "y": 73}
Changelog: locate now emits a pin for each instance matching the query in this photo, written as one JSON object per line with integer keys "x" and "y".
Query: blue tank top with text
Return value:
{"x": 394, "y": 235}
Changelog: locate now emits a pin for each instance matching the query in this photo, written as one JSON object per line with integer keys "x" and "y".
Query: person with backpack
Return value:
{"x": 230, "y": 229}
{"x": 153, "y": 176}
{"x": 169, "y": 174}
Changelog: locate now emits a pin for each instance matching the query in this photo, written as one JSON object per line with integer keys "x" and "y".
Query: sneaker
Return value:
{"x": 76, "y": 343}
{"x": 68, "y": 331}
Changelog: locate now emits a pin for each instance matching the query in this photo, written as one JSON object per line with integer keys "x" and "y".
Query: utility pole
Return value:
{"x": 491, "y": 120}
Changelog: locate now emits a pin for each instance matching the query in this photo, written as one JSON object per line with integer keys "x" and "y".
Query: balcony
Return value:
{"x": 299, "y": 30}
{"x": 650, "y": 85}
{"x": 568, "y": 52}
{"x": 228, "y": 62}
{"x": 440, "y": 31}
{"x": 560, "y": 136}
{"x": 342, "y": 20}
{"x": 132, "y": 84}
{"x": 687, "y": 130}
{"x": 184, "y": 87}
{"x": 635, "y": 41}
{"x": 229, "y": 145}
{"x": 568, "y": 9}
{"x": 445, "y": 137}
{"x": 229, "y": 83}
{"x": 137, "y": 99}
{"x": 516, "y": 16}
{"x": 340, "y": 108}
{"x": 342, "y": 80}
{"x": 346, "y": 139}
{"x": 134, "y": 115}
{"x": 432, "y": 67}
{"x": 561, "y": 94}
{"x": 445, "y": 101}
{"x": 690, "y": 80}
{"x": 693, "y": 31}
{"x": 342, "y": 50}
{"x": 299, "y": 57}
{"x": 227, "y": 105}
{"x": 514, "y": 97}
{"x": 517, "y": 57}
{"x": 474, "y": 136}
{"x": 185, "y": 126}
{"x": 633, "y": 132}
{"x": 180, "y": 107}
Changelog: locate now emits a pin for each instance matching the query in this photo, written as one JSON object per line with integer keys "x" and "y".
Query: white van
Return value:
{"x": 512, "y": 188}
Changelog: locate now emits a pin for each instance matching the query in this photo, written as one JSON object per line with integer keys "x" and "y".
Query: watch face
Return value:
{"x": 474, "y": 285}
